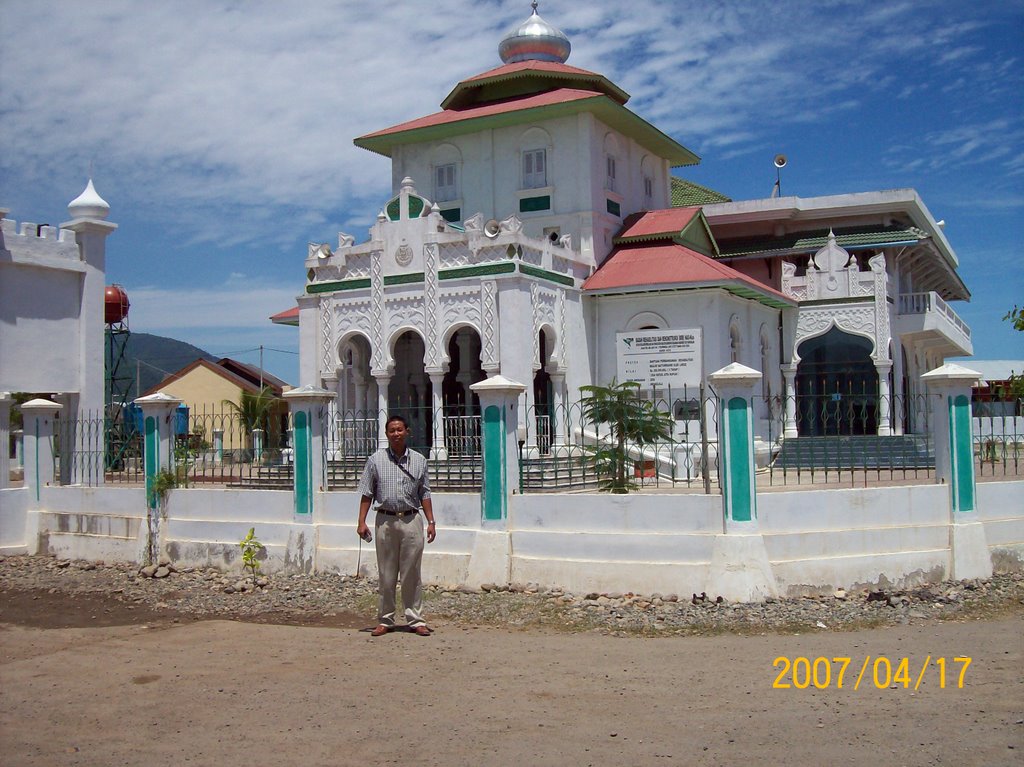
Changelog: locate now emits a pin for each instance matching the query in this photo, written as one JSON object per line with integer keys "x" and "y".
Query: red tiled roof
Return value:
{"x": 639, "y": 266}
{"x": 544, "y": 66}
{"x": 287, "y": 317}
{"x": 557, "y": 96}
{"x": 653, "y": 222}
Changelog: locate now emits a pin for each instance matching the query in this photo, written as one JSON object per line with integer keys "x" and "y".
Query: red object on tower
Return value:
{"x": 115, "y": 304}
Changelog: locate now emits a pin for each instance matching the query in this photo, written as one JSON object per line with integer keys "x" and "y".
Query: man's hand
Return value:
{"x": 364, "y": 532}
{"x": 431, "y": 532}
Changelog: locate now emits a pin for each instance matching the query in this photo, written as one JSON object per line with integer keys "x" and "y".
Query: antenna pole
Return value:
{"x": 261, "y": 367}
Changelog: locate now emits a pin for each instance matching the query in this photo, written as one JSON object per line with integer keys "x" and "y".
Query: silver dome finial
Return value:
{"x": 534, "y": 40}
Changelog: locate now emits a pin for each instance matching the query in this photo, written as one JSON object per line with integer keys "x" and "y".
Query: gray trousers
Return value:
{"x": 400, "y": 550}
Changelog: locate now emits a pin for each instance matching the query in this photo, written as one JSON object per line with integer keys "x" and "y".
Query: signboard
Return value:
{"x": 660, "y": 359}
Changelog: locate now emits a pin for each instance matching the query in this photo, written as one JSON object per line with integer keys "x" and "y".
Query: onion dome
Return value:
{"x": 534, "y": 40}
{"x": 89, "y": 204}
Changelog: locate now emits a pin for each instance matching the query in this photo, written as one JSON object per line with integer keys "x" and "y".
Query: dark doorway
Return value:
{"x": 836, "y": 386}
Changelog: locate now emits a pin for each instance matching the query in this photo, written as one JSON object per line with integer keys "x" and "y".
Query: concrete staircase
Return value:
{"x": 908, "y": 451}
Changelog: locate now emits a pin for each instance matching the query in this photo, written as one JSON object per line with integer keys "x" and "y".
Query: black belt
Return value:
{"x": 398, "y": 513}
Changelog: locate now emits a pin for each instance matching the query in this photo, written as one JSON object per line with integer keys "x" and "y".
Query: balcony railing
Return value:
{"x": 923, "y": 303}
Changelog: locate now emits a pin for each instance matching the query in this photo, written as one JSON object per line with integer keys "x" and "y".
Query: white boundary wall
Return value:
{"x": 816, "y": 540}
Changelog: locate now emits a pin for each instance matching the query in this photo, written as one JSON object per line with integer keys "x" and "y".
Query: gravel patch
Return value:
{"x": 334, "y": 599}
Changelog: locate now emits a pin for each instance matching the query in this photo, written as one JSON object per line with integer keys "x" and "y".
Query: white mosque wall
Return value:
{"x": 41, "y": 277}
{"x": 52, "y": 305}
{"x": 816, "y": 540}
{"x": 13, "y": 513}
{"x": 713, "y": 311}
{"x": 489, "y": 166}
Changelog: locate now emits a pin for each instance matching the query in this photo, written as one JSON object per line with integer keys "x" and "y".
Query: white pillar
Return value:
{"x": 382, "y": 409}
{"x": 789, "y": 376}
{"x": 158, "y": 416}
{"x": 438, "y": 449}
{"x": 740, "y": 569}
{"x": 218, "y": 445}
{"x": 558, "y": 414}
{"x": 899, "y": 397}
{"x": 258, "y": 439}
{"x": 331, "y": 384}
{"x": 884, "y": 398}
{"x": 19, "y": 447}
{"x": 949, "y": 388}
{"x": 38, "y": 416}
{"x": 5, "y": 438}
{"x": 309, "y": 408}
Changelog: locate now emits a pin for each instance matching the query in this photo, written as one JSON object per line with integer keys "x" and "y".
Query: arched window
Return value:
{"x": 647, "y": 181}
{"x": 611, "y": 159}
{"x": 766, "y": 363}
{"x": 735, "y": 341}
{"x": 535, "y": 158}
{"x": 446, "y": 167}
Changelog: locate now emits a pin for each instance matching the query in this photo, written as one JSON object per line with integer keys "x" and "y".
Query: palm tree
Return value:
{"x": 253, "y": 410}
{"x": 632, "y": 420}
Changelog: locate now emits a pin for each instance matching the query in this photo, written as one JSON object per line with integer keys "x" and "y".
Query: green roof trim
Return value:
{"x": 331, "y": 287}
{"x": 521, "y": 81}
{"x": 810, "y": 242}
{"x": 403, "y": 279}
{"x": 604, "y": 108}
{"x": 544, "y": 274}
{"x": 736, "y": 289}
{"x": 686, "y": 194}
{"x": 503, "y": 267}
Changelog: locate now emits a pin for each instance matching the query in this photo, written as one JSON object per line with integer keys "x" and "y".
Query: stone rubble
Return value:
{"x": 212, "y": 593}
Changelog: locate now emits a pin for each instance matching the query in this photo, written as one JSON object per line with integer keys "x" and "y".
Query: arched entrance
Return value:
{"x": 461, "y": 405}
{"x": 409, "y": 392}
{"x": 836, "y": 386}
{"x": 543, "y": 395}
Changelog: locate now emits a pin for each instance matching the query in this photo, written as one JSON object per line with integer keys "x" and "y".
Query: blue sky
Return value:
{"x": 221, "y": 132}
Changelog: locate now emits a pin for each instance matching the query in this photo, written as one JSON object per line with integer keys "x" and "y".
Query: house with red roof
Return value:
{"x": 537, "y": 231}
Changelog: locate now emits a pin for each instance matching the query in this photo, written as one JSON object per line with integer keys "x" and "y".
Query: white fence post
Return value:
{"x": 158, "y": 421}
{"x": 739, "y": 569}
{"x": 954, "y": 466}
{"x": 5, "y": 439}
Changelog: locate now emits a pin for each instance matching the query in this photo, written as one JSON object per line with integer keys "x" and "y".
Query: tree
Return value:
{"x": 253, "y": 410}
{"x": 1016, "y": 316}
{"x": 1014, "y": 389}
{"x": 633, "y": 422}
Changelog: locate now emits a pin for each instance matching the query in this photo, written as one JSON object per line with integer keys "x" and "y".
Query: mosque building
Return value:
{"x": 537, "y": 232}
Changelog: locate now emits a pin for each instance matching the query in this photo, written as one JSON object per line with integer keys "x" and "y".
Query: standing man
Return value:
{"x": 395, "y": 479}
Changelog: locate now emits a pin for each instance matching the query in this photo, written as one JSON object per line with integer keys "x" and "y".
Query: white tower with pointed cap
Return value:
{"x": 51, "y": 308}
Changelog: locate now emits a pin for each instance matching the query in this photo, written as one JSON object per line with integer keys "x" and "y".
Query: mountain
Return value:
{"x": 149, "y": 359}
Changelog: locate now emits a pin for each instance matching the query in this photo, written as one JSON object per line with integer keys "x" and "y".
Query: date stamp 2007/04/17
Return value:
{"x": 880, "y": 672}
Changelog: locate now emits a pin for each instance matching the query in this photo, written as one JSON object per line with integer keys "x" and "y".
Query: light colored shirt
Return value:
{"x": 391, "y": 488}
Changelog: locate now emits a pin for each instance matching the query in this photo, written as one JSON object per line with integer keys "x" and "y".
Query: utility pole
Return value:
{"x": 261, "y": 367}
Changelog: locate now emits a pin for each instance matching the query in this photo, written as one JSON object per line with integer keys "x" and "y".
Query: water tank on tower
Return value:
{"x": 115, "y": 304}
{"x": 120, "y": 434}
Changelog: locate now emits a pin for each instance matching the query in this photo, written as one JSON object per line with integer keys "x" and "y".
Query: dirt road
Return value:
{"x": 222, "y": 693}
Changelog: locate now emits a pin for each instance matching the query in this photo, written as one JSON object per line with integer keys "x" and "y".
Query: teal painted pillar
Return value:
{"x": 735, "y": 386}
{"x": 158, "y": 417}
{"x": 5, "y": 439}
{"x": 739, "y": 569}
{"x": 949, "y": 389}
{"x": 38, "y": 416}
{"x": 499, "y": 407}
{"x": 158, "y": 420}
{"x": 309, "y": 408}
